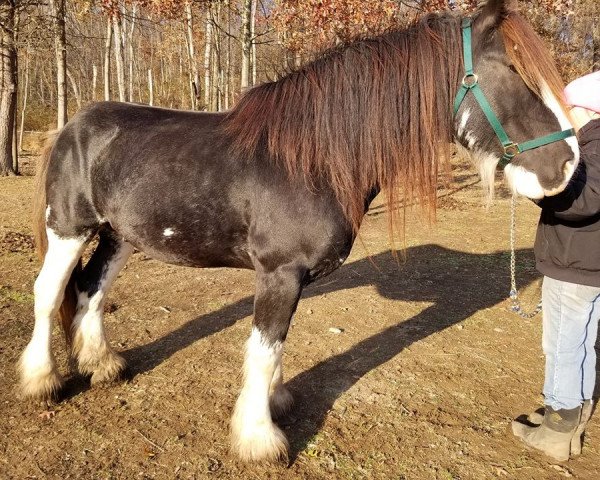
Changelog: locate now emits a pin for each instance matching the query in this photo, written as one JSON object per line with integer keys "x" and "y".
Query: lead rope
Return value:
{"x": 514, "y": 294}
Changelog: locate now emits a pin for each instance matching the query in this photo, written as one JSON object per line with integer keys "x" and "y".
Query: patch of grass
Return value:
{"x": 15, "y": 296}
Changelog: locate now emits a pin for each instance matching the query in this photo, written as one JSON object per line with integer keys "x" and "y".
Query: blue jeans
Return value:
{"x": 570, "y": 325}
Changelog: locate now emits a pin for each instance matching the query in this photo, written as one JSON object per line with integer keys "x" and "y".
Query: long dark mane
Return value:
{"x": 377, "y": 112}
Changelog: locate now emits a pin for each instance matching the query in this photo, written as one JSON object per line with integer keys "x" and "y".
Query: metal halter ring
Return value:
{"x": 511, "y": 150}
{"x": 470, "y": 80}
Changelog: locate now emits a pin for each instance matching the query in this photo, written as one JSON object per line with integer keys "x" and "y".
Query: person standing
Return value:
{"x": 567, "y": 252}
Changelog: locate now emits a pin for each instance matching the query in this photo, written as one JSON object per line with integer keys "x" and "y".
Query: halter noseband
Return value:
{"x": 470, "y": 83}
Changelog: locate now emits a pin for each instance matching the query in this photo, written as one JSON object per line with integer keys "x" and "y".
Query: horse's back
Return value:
{"x": 166, "y": 181}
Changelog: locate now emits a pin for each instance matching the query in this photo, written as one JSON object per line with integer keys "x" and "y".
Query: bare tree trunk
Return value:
{"x": 228, "y": 57}
{"x": 215, "y": 61}
{"x": 8, "y": 86}
{"x": 25, "y": 95}
{"x": 246, "y": 39}
{"x": 207, "y": 57}
{"x": 193, "y": 64}
{"x": 253, "y": 39}
{"x": 138, "y": 71}
{"x": 150, "y": 88}
{"x": 596, "y": 45}
{"x": 94, "y": 81}
{"x": 288, "y": 61}
{"x": 42, "y": 90}
{"x": 130, "y": 49}
{"x": 107, "y": 45}
{"x": 162, "y": 76}
{"x": 217, "y": 66}
{"x": 15, "y": 147}
{"x": 75, "y": 88}
{"x": 117, "y": 29}
{"x": 60, "y": 42}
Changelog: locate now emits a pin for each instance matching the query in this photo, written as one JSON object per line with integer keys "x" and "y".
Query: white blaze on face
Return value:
{"x": 168, "y": 232}
{"x": 565, "y": 124}
{"x": 526, "y": 183}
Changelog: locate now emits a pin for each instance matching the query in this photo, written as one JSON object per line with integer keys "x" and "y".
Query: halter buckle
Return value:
{"x": 511, "y": 150}
{"x": 470, "y": 80}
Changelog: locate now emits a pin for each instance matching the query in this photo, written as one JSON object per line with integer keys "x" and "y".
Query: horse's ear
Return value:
{"x": 492, "y": 12}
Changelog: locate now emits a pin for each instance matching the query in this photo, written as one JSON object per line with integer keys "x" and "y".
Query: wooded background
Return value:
{"x": 59, "y": 55}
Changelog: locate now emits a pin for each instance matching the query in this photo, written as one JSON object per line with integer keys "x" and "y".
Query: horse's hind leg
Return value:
{"x": 92, "y": 352}
{"x": 39, "y": 375}
{"x": 254, "y": 435}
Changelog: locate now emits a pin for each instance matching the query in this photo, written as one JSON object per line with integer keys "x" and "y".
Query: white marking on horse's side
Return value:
{"x": 462, "y": 124}
{"x": 168, "y": 232}
{"x": 93, "y": 352}
{"x": 39, "y": 376}
{"x": 253, "y": 434}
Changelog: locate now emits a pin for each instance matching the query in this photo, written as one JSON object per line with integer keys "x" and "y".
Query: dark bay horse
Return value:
{"x": 279, "y": 184}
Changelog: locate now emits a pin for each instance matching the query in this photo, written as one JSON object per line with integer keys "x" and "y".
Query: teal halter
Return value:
{"x": 470, "y": 83}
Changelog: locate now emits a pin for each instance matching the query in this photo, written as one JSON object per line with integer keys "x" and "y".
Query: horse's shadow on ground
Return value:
{"x": 458, "y": 284}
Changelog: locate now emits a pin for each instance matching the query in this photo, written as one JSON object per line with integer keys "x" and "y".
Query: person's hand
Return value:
{"x": 582, "y": 116}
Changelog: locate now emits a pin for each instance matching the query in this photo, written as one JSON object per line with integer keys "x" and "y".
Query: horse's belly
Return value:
{"x": 195, "y": 255}
{"x": 187, "y": 240}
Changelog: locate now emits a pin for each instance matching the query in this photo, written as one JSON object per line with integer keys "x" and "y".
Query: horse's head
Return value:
{"x": 517, "y": 76}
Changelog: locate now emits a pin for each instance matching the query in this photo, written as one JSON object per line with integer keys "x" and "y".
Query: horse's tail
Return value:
{"x": 68, "y": 307}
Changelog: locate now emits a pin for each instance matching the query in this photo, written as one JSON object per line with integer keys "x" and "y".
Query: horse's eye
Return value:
{"x": 513, "y": 68}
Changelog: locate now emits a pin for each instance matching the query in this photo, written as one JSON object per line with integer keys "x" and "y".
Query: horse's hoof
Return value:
{"x": 101, "y": 363}
{"x": 260, "y": 443}
{"x": 112, "y": 368}
{"x": 41, "y": 385}
{"x": 39, "y": 377}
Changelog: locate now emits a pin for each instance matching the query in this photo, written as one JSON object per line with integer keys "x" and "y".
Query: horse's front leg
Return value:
{"x": 254, "y": 435}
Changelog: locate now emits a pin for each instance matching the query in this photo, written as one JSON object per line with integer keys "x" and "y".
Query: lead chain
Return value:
{"x": 514, "y": 294}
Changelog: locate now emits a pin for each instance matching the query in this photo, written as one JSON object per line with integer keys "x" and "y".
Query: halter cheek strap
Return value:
{"x": 470, "y": 83}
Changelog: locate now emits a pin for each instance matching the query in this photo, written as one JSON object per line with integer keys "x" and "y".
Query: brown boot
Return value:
{"x": 537, "y": 417}
{"x": 586, "y": 413}
{"x": 554, "y": 435}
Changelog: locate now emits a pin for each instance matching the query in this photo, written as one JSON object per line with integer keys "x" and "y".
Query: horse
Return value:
{"x": 279, "y": 184}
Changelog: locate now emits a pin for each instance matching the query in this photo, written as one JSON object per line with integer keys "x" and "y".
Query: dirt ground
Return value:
{"x": 421, "y": 381}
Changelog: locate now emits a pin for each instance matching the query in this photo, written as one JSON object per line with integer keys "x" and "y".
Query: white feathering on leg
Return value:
{"x": 254, "y": 436}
